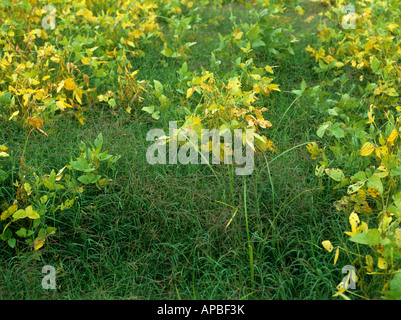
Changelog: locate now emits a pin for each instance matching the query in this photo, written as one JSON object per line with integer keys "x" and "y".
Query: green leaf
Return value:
{"x": 52, "y": 176}
{"x": 335, "y": 174}
{"x": 253, "y": 33}
{"x": 385, "y": 241}
{"x": 81, "y": 165}
{"x": 48, "y": 184}
{"x": 102, "y": 183}
{"x": 99, "y": 141}
{"x": 355, "y": 187}
{"x": 213, "y": 60}
{"x": 332, "y": 112}
{"x": 100, "y": 73}
{"x": 258, "y": 43}
{"x": 167, "y": 52}
{"x": 359, "y": 238}
{"x": 21, "y": 233}
{"x": 336, "y": 131}
{"x": 50, "y": 230}
{"x": 89, "y": 178}
{"x": 396, "y": 172}
{"x": 360, "y": 175}
{"x": 373, "y": 237}
{"x": 303, "y": 85}
{"x": 158, "y": 86}
{"x": 20, "y": 214}
{"x": 25, "y": 5}
{"x": 375, "y": 65}
{"x": 247, "y": 48}
{"x": 395, "y": 283}
{"x": 375, "y": 182}
{"x": 322, "y": 129}
{"x": 6, "y": 235}
{"x": 263, "y": 13}
{"x": 149, "y": 109}
{"x": 156, "y": 115}
{"x": 112, "y": 102}
{"x": 11, "y": 242}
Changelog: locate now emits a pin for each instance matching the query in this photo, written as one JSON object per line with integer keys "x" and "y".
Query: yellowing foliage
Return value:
{"x": 369, "y": 152}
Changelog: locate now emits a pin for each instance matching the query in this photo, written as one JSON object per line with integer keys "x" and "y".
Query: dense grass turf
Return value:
{"x": 161, "y": 232}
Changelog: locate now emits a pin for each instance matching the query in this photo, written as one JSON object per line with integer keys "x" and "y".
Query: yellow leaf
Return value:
{"x": 369, "y": 262}
{"x": 85, "y": 60}
{"x": 34, "y": 81}
{"x": 391, "y": 92}
{"x": 190, "y": 91}
{"x": 31, "y": 214}
{"x": 36, "y": 122}
{"x": 269, "y": 69}
{"x": 55, "y": 59}
{"x": 256, "y": 88}
{"x": 3, "y": 152}
{"x": 353, "y": 221}
{"x": 309, "y": 19}
{"x": 381, "y": 151}
{"x": 78, "y": 95}
{"x": 13, "y": 115}
{"x": 60, "y": 86}
{"x": 367, "y": 149}
{"x": 28, "y": 188}
{"x": 370, "y": 114}
{"x": 337, "y": 255}
{"x": 327, "y": 245}
{"x": 257, "y": 77}
{"x": 38, "y": 243}
{"x": 392, "y": 26}
{"x": 9, "y": 212}
{"x": 137, "y": 34}
{"x": 378, "y": 90}
{"x": 299, "y": 10}
{"x": 310, "y": 49}
{"x": 381, "y": 263}
{"x": 86, "y": 79}
{"x": 70, "y": 84}
{"x": 60, "y": 174}
{"x": 60, "y": 105}
{"x": 391, "y": 138}
{"x": 39, "y": 95}
{"x": 274, "y": 87}
{"x": 80, "y": 118}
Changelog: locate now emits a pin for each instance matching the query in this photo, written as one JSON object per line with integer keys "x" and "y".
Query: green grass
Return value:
{"x": 160, "y": 232}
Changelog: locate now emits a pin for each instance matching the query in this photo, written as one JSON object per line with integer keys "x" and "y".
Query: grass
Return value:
{"x": 160, "y": 232}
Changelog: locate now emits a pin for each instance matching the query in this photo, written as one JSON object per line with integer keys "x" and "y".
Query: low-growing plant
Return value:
{"x": 31, "y": 217}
